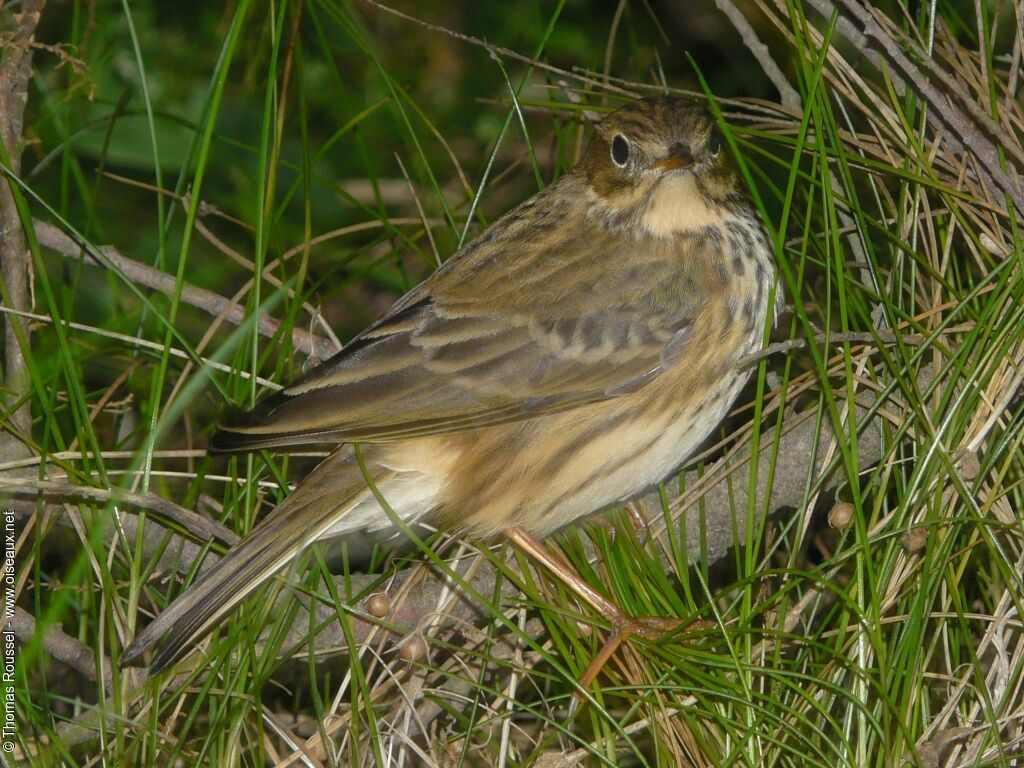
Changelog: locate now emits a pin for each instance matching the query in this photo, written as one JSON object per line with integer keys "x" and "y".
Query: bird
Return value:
{"x": 569, "y": 358}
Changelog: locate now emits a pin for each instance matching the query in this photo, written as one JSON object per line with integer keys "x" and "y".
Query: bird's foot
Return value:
{"x": 623, "y": 626}
{"x": 650, "y": 628}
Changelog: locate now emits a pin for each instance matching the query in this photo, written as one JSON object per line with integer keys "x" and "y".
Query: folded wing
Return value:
{"x": 497, "y": 335}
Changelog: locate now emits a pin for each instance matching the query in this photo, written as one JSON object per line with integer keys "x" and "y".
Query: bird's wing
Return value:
{"x": 510, "y": 328}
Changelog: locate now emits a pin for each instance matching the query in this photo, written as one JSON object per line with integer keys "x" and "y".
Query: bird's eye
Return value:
{"x": 714, "y": 142}
{"x": 620, "y": 150}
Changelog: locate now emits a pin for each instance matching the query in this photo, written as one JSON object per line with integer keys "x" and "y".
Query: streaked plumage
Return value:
{"x": 567, "y": 359}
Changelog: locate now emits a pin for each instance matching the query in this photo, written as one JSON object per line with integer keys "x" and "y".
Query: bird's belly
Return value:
{"x": 540, "y": 475}
{"x": 556, "y": 469}
{"x": 636, "y": 463}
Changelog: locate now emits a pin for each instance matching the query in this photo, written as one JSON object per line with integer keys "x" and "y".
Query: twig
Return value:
{"x": 142, "y": 343}
{"x": 612, "y": 33}
{"x": 65, "y": 648}
{"x": 201, "y": 298}
{"x": 508, "y": 53}
{"x": 419, "y": 210}
{"x": 857, "y": 337}
{"x": 15, "y": 69}
{"x": 200, "y": 527}
{"x": 787, "y": 93}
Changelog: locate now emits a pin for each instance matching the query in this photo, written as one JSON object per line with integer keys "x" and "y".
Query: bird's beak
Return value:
{"x": 678, "y": 157}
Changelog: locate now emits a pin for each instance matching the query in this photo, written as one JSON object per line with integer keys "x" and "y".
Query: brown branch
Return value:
{"x": 177, "y": 557}
{"x": 15, "y": 69}
{"x": 62, "y": 647}
{"x": 200, "y": 527}
{"x": 201, "y": 298}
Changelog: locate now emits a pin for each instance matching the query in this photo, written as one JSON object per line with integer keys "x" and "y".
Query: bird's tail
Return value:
{"x": 317, "y": 507}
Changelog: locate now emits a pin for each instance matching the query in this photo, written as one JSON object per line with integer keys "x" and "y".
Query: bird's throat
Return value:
{"x": 676, "y": 206}
{"x": 664, "y": 208}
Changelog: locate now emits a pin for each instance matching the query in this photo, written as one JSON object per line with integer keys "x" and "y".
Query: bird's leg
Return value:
{"x": 623, "y": 626}
{"x": 636, "y": 517}
{"x": 641, "y": 524}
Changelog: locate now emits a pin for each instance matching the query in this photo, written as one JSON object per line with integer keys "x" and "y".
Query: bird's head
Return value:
{"x": 643, "y": 145}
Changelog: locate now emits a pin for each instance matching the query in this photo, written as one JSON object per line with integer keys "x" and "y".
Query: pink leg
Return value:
{"x": 623, "y": 626}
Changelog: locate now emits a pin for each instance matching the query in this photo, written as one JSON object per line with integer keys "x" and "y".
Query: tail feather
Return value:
{"x": 332, "y": 489}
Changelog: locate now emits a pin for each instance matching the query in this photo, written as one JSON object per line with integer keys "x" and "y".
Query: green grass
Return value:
{"x": 249, "y": 133}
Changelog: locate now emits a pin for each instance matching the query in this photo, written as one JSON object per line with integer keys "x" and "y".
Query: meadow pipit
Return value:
{"x": 569, "y": 358}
